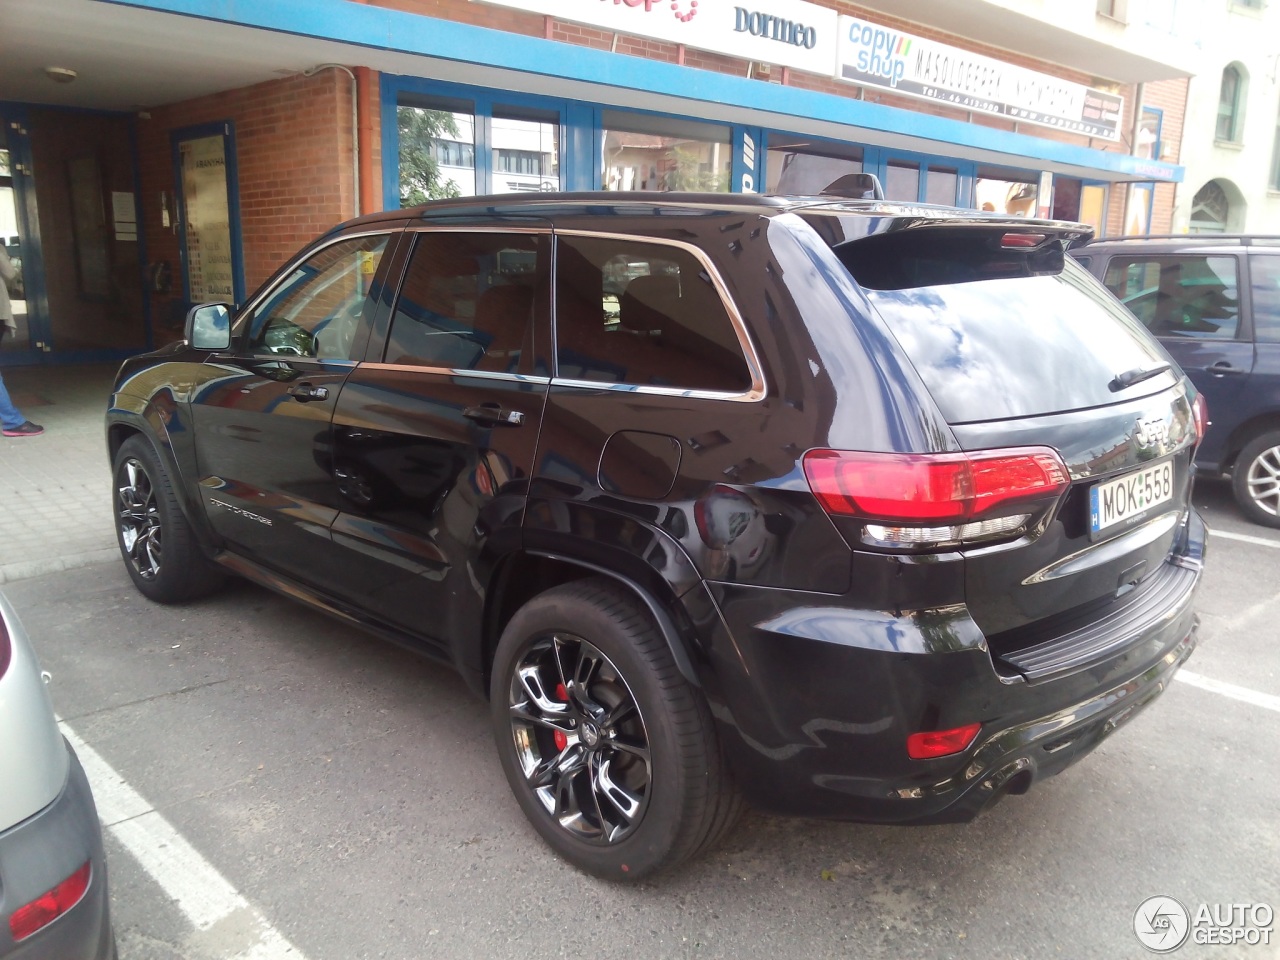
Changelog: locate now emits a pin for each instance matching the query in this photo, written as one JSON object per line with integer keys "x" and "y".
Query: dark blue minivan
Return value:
{"x": 1214, "y": 303}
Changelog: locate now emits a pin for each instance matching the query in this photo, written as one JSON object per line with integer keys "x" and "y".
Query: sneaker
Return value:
{"x": 26, "y": 429}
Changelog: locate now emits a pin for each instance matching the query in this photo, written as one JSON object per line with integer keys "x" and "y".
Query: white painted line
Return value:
{"x": 1245, "y": 695}
{"x": 1245, "y": 538}
{"x": 197, "y": 888}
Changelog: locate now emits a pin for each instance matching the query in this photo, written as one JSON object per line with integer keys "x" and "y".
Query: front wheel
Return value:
{"x": 1255, "y": 481}
{"x": 156, "y": 541}
{"x": 610, "y": 752}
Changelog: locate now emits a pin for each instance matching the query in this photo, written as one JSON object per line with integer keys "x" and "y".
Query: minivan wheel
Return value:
{"x": 610, "y": 752}
{"x": 1255, "y": 481}
{"x": 157, "y": 544}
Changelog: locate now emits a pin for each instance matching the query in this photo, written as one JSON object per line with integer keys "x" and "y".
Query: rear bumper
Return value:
{"x": 815, "y": 702}
{"x": 41, "y": 852}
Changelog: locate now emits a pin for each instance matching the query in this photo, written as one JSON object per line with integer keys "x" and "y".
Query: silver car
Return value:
{"x": 53, "y": 875}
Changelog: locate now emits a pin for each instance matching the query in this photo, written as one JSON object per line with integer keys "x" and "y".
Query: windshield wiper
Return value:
{"x": 1137, "y": 375}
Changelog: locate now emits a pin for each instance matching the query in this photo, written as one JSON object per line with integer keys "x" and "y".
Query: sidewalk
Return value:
{"x": 57, "y": 509}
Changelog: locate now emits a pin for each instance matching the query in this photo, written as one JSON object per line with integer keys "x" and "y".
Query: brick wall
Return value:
{"x": 294, "y": 157}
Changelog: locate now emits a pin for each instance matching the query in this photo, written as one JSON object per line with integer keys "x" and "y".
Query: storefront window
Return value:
{"x": 799, "y": 167}
{"x": 940, "y": 185}
{"x": 902, "y": 181}
{"x": 658, "y": 153}
{"x": 437, "y": 149}
{"x": 525, "y": 148}
{"x": 1005, "y": 191}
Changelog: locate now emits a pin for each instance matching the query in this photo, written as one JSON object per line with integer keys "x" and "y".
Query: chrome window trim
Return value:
{"x": 457, "y": 372}
{"x": 287, "y": 270}
{"x": 756, "y": 392}
{"x": 476, "y": 228}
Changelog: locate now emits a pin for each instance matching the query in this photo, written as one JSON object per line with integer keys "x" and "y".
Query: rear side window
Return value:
{"x": 468, "y": 301}
{"x": 1179, "y": 296}
{"x": 1265, "y": 280}
{"x": 996, "y": 338}
{"x": 629, "y": 311}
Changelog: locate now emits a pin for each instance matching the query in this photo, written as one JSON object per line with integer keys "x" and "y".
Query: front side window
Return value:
{"x": 318, "y": 308}
{"x": 1229, "y": 118}
{"x": 648, "y": 314}
{"x": 1182, "y": 296}
{"x": 468, "y": 301}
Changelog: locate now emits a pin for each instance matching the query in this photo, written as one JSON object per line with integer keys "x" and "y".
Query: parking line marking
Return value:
{"x": 1264, "y": 700}
{"x": 194, "y": 884}
{"x": 1245, "y": 538}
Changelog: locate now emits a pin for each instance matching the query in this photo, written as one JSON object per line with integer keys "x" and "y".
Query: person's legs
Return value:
{"x": 10, "y": 417}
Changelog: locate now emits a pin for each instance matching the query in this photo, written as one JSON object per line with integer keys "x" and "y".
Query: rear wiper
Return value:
{"x": 1137, "y": 375}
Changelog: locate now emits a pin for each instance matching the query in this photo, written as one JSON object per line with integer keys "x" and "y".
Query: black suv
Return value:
{"x": 847, "y": 509}
{"x": 1214, "y": 303}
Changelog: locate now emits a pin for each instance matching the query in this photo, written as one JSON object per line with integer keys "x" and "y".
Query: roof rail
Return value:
{"x": 1244, "y": 240}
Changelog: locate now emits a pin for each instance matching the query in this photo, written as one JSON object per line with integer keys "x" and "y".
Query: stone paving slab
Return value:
{"x": 55, "y": 489}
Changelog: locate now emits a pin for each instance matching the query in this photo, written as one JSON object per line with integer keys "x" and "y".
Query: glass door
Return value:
{"x": 25, "y": 338}
{"x": 208, "y": 215}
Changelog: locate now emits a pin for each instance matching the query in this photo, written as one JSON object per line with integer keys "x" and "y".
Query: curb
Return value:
{"x": 26, "y": 569}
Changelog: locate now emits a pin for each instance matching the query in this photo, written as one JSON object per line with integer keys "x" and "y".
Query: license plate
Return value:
{"x": 1129, "y": 499}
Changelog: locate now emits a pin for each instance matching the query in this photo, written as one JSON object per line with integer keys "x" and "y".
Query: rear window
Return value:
{"x": 998, "y": 334}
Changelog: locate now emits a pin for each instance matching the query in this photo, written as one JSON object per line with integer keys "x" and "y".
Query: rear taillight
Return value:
{"x": 48, "y": 907}
{"x": 923, "y": 500}
{"x": 1200, "y": 414}
{"x": 941, "y": 743}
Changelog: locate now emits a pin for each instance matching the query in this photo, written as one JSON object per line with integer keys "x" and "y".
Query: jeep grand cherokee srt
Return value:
{"x": 844, "y": 509}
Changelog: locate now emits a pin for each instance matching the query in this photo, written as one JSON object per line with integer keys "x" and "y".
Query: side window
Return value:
{"x": 317, "y": 309}
{"x": 642, "y": 313}
{"x": 468, "y": 301}
{"x": 1179, "y": 296}
{"x": 1265, "y": 273}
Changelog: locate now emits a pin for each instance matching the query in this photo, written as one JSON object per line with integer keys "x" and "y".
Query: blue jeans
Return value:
{"x": 9, "y": 415}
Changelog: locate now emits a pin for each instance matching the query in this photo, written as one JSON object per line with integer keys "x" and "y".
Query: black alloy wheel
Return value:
{"x": 611, "y": 753}
{"x": 580, "y": 738}
{"x": 156, "y": 541}
{"x": 140, "y": 528}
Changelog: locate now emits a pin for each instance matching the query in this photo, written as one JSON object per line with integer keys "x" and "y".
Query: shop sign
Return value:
{"x": 790, "y": 33}
{"x": 873, "y": 55}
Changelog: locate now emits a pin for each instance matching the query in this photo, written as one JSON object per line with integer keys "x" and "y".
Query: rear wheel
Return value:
{"x": 1255, "y": 481}
{"x": 157, "y": 544}
{"x": 610, "y": 752}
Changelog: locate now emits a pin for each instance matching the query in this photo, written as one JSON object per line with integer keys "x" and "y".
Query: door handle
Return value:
{"x": 305, "y": 392}
{"x": 492, "y": 415}
{"x": 1222, "y": 368}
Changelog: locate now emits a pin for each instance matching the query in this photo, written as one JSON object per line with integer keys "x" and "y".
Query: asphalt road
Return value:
{"x": 351, "y": 794}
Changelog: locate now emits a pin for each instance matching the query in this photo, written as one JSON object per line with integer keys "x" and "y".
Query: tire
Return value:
{"x": 610, "y": 752}
{"x": 156, "y": 541}
{"x": 1255, "y": 480}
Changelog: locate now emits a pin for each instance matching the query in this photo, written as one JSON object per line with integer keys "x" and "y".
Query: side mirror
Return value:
{"x": 209, "y": 326}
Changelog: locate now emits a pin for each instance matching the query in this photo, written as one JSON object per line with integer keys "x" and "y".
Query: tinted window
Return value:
{"x": 643, "y": 313}
{"x": 1265, "y": 272}
{"x": 317, "y": 309}
{"x": 468, "y": 301}
{"x": 1179, "y": 296}
{"x": 1015, "y": 346}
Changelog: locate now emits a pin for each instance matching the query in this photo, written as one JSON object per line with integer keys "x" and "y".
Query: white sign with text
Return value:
{"x": 789, "y": 33}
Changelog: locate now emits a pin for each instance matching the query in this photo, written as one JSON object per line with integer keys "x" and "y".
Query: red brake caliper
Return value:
{"x": 563, "y": 696}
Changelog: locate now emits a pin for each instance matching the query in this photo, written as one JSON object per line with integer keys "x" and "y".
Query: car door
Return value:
{"x": 1191, "y": 302}
{"x": 434, "y": 436}
{"x": 262, "y": 428}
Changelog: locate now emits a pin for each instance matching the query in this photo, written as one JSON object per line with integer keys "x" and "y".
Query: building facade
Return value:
{"x": 167, "y": 152}
{"x": 1232, "y": 147}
